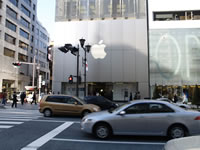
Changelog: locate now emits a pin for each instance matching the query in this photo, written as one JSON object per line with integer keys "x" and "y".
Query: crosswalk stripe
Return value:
{"x": 5, "y": 127}
{"x": 19, "y": 117}
{"x": 15, "y": 119}
{"x": 10, "y": 122}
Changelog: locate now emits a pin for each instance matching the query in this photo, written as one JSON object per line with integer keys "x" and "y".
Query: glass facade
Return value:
{"x": 174, "y": 56}
{"x": 99, "y": 9}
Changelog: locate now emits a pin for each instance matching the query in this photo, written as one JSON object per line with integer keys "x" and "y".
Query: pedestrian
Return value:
{"x": 22, "y": 97}
{"x": 131, "y": 97}
{"x": 137, "y": 95}
{"x": 185, "y": 99}
{"x": 4, "y": 95}
{"x": 34, "y": 98}
{"x": 14, "y": 100}
{"x": 175, "y": 98}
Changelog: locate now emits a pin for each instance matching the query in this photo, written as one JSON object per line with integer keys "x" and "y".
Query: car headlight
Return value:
{"x": 95, "y": 109}
{"x": 87, "y": 120}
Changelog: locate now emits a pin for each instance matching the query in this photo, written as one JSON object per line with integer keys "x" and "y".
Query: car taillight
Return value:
{"x": 197, "y": 118}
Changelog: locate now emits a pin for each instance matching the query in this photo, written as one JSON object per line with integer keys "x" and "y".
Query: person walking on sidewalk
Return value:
{"x": 14, "y": 100}
{"x": 4, "y": 95}
{"x": 34, "y": 98}
{"x": 22, "y": 97}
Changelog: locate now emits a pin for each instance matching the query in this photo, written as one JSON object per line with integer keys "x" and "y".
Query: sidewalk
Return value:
{"x": 26, "y": 106}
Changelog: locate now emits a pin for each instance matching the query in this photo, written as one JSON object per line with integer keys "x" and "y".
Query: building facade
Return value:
{"x": 118, "y": 25}
{"x": 174, "y": 45}
{"x": 22, "y": 39}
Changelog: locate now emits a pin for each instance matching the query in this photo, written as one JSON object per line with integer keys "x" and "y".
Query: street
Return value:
{"x": 27, "y": 129}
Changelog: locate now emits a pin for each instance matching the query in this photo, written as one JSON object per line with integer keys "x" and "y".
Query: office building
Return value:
{"x": 22, "y": 39}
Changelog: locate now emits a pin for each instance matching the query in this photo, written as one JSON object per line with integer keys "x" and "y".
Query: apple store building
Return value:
{"x": 117, "y": 63}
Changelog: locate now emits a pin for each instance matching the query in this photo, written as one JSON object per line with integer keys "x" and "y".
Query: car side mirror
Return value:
{"x": 122, "y": 113}
{"x": 75, "y": 103}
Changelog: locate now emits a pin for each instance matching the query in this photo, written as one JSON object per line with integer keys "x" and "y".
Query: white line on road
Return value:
{"x": 5, "y": 127}
{"x": 39, "y": 120}
{"x": 44, "y": 139}
{"x": 15, "y": 119}
{"x": 10, "y": 122}
{"x": 108, "y": 142}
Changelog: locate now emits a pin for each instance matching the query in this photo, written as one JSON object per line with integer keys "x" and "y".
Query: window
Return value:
{"x": 0, "y": 18}
{"x": 32, "y": 38}
{"x": 137, "y": 109}
{"x": 71, "y": 100}
{"x": 56, "y": 99}
{"x": 1, "y": 2}
{"x": 9, "y": 52}
{"x": 33, "y": 28}
{"x": 23, "y": 45}
{"x": 31, "y": 49}
{"x": 25, "y": 23}
{"x": 33, "y": 17}
{"x": 37, "y": 31}
{"x": 36, "y": 52}
{"x": 196, "y": 15}
{"x": 159, "y": 108}
{"x": 24, "y": 34}
{"x": 10, "y": 39}
{"x": 31, "y": 59}
{"x": 11, "y": 26}
{"x": 177, "y": 15}
{"x": 25, "y": 11}
{"x": 28, "y": 2}
{"x": 14, "y": 2}
{"x": 33, "y": 6}
{"x": 22, "y": 57}
{"x": 11, "y": 13}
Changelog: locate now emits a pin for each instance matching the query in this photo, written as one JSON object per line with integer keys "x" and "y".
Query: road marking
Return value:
{"x": 10, "y": 122}
{"x": 39, "y": 120}
{"x": 5, "y": 127}
{"x": 108, "y": 142}
{"x": 15, "y": 119}
{"x": 45, "y": 138}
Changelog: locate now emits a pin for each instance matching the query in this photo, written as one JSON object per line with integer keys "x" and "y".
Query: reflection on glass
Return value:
{"x": 83, "y": 9}
{"x": 99, "y": 9}
{"x": 175, "y": 56}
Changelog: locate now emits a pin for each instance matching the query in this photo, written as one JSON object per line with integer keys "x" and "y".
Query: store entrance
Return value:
{"x": 102, "y": 89}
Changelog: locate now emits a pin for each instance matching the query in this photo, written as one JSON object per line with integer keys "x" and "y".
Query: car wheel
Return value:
{"x": 85, "y": 112}
{"x": 102, "y": 131}
{"x": 177, "y": 132}
{"x": 47, "y": 113}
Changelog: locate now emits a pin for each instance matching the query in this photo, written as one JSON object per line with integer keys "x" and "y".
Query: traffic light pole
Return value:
{"x": 77, "y": 74}
{"x": 85, "y": 74}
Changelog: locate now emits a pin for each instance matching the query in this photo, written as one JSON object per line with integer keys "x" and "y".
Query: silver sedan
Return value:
{"x": 143, "y": 117}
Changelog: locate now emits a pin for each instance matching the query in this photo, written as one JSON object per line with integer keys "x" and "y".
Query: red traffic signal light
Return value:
{"x": 70, "y": 78}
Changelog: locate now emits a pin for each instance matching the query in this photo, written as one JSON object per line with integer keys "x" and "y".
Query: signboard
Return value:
{"x": 30, "y": 88}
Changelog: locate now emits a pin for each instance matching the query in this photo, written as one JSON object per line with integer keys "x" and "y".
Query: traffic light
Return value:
{"x": 17, "y": 64}
{"x": 70, "y": 78}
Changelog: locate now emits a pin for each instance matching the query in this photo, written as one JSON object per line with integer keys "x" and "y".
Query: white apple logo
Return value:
{"x": 98, "y": 51}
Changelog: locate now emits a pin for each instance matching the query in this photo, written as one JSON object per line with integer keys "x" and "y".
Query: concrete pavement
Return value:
{"x": 27, "y": 106}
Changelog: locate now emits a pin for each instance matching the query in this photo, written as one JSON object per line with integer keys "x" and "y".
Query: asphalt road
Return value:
{"x": 28, "y": 130}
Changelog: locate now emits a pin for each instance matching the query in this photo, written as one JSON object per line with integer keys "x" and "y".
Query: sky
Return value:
{"x": 46, "y": 15}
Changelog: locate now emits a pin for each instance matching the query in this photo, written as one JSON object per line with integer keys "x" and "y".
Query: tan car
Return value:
{"x": 65, "y": 105}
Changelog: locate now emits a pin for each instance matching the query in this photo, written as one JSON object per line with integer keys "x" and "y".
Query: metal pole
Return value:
{"x": 77, "y": 74}
{"x": 85, "y": 74}
{"x": 33, "y": 72}
{"x": 148, "y": 47}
